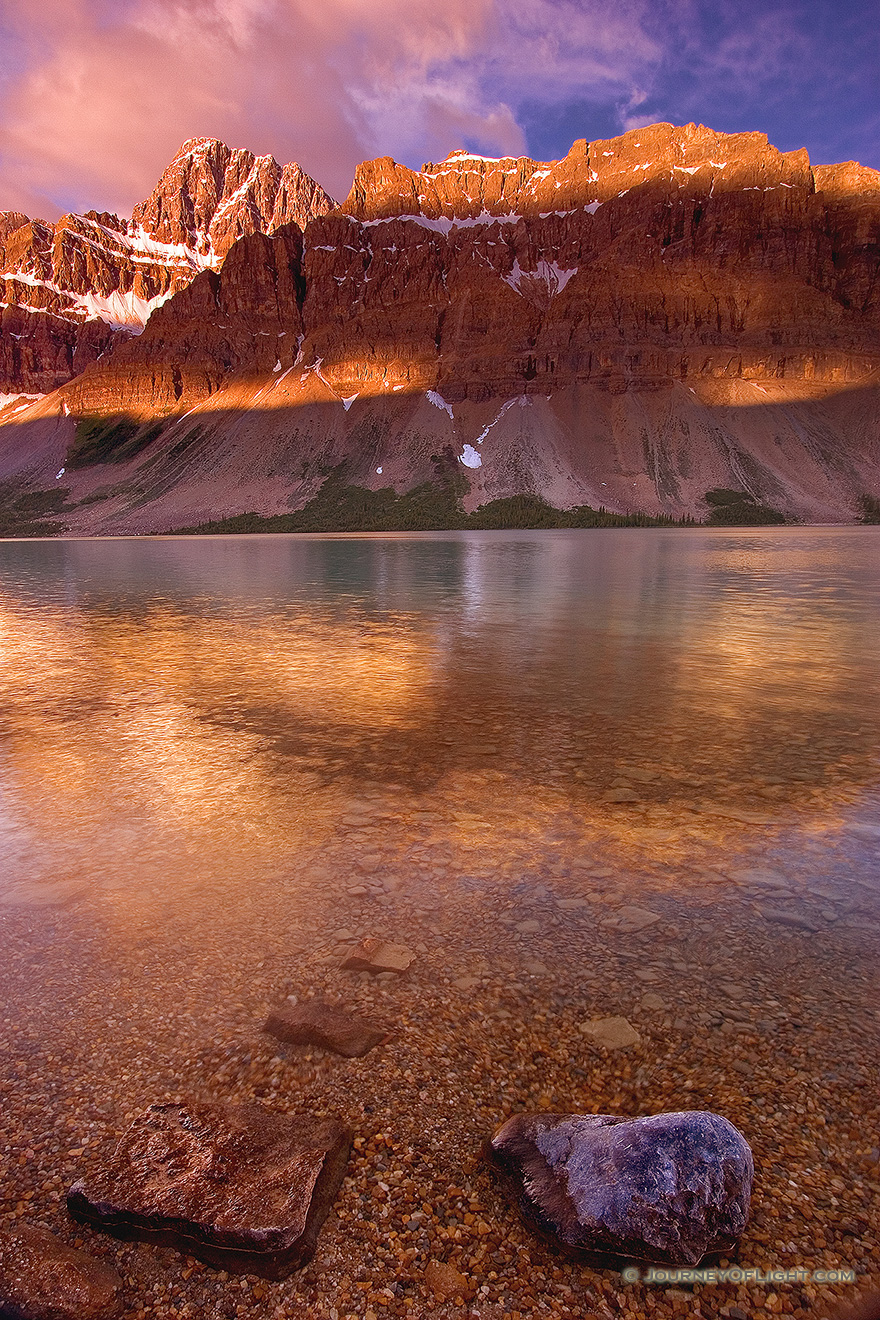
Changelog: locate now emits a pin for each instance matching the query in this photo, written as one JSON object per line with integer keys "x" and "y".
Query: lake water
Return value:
{"x": 182, "y": 716}
{"x": 579, "y": 774}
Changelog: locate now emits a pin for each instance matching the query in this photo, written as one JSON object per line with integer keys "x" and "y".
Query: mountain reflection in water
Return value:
{"x": 188, "y": 716}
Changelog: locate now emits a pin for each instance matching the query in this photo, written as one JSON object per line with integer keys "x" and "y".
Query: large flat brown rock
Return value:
{"x": 236, "y": 1186}
{"x": 316, "y": 1022}
{"x": 41, "y": 1278}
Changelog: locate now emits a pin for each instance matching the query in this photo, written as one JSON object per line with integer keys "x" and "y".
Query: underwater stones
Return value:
{"x": 379, "y": 956}
{"x": 669, "y": 1188}
{"x": 445, "y": 1281}
{"x": 796, "y": 920}
{"x": 614, "y": 1033}
{"x": 236, "y": 1186}
{"x": 41, "y": 1278}
{"x": 315, "y": 1022}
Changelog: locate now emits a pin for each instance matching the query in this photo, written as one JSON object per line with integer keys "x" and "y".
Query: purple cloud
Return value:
{"x": 97, "y": 95}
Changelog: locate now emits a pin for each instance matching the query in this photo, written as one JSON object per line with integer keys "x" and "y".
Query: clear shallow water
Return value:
{"x": 187, "y": 719}
{"x": 578, "y": 774}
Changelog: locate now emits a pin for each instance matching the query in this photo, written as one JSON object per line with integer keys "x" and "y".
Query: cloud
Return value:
{"x": 106, "y": 90}
{"x": 97, "y": 95}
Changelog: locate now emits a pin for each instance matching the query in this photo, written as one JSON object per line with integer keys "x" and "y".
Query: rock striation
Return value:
{"x": 669, "y": 1188}
{"x": 69, "y": 291}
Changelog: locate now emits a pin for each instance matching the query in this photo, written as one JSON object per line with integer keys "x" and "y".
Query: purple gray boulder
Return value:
{"x": 236, "y": 1186}
{"x": 669, "y": 1188}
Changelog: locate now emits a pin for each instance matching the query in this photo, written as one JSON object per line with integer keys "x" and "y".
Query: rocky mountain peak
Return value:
{"x": 210, "y": 195}
{"x": 465, "y": 186}
{"x": 66, "y": 290}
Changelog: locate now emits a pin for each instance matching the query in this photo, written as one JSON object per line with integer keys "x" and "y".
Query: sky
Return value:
{"x": 96, "y": 96}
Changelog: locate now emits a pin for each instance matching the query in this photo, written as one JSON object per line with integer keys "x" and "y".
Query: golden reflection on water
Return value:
{"x": 182, "y": 717}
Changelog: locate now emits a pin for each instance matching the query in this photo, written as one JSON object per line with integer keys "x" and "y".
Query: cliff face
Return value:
{"x": 71, "y": 290}
{"x": 662, "y": 255}
{"x": 243, "y": 318}
{"x": 636, "y": 280}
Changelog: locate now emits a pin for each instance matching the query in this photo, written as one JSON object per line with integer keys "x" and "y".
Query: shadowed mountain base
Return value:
{"x": 729, "y": 452}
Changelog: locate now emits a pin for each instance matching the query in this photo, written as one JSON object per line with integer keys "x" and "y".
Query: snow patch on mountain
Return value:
{"x": 546, "y": 273}
{"x": 524, "y": 402}
{"x": 444, "y": 224}
{"x": 10, "y": 404}
{"x": 439, "y": 402}
{"x": 122, "y": 311}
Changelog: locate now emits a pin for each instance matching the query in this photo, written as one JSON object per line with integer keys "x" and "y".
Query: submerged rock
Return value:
{"x": 797, "y": 920}
{"x": 633, "y": 919}
{"x": 378, "y": 956}
{"x": 315, "y": 1022}
{"x": 446, "y": 1282}
{"x": 614, "y": 1033}
{"x": 41, "y": 1278}
{"x": 234, "y": 1185}
{"x": 669, "y": 1188}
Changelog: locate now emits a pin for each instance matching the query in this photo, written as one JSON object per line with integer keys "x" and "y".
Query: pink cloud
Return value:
{"x": 108, "y": 89}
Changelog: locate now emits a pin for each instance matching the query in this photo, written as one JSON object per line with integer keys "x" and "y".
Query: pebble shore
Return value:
{"x": 751, "y": 988}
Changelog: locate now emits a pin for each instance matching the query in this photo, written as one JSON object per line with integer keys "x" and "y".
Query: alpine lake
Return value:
{"x": 579, "y": 774}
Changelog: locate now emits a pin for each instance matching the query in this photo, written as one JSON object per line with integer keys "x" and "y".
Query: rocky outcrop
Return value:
{"x": 210, "y": 196}
{"x": 244, "y": 318}
{"x": 467, "y": 187}
{"x": 70, "y": 290}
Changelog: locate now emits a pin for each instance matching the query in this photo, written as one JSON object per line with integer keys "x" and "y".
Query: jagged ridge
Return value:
{"x": 68, "y": 289}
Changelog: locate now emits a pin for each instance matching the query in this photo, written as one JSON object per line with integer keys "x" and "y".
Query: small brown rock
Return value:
{"x": 614, "y": 1033}
{"x": 41, "y": 1278}
{"x": 378, "y": 956}
{"x": 633, "y": 919}
{"x": 445, "y": 1281}
{"x": 315, "y": 1022}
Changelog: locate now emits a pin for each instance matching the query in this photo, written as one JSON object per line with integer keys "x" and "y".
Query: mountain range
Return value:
{"x": 675, "y": 322}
